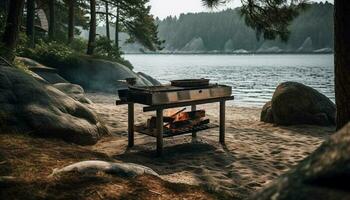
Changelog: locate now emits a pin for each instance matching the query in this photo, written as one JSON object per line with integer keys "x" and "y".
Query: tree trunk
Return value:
{"x": 107, "y": 22}
{"x": 342, "y": 61}
{"x": 30, "y": 21}
{"x": 92, "y": 31}
{"x": 71, "y": 4}
{"x": 117, "y": 29}
{"x": 13, "y": 23}
{"x": 52, "y": 19}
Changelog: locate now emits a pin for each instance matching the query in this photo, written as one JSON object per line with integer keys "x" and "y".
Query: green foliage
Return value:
{"x": 2, "y": 21}
{"x": 107, "y": 48}
{"x": 48, "y": 51}
{"x": 78, "y": 45}
{"x": 220, "y": 28}
{"x": 271, "y": 19}
{"x": 56, "y": 54}
{"x": 22, "y": 43}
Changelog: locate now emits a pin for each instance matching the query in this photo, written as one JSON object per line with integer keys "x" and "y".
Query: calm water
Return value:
{"x": 252, "y": 77}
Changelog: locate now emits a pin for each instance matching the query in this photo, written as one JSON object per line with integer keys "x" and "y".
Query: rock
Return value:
{"x": 266, "y": 113}
{"x": 149, "y": 78}
{"x": 47, "y": 73}
{"x": 324, "y": 50}
{"x": 324, "y": 175}
{"x": 306, "y": 46}
{"x": 240, "y": 51}
{"x": 74, "y": 91}
{"x": 294, "y": 103}
{"x": 228, "y": 47}
{"x": 94, "y": 166}
{"x": 99, "y": 75}
{"x": 195, "y": 45}
{"x": 29, "y": 106}
{"x": 273, "y": 49}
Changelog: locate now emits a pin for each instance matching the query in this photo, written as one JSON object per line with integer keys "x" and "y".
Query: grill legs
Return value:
{"x": 159, "y": 125}
{"x": 222, "y": 122}
{"x": 130, "y": 124}
{"x": 193, "y": 108}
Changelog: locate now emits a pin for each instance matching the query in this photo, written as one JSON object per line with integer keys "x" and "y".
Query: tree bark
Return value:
{"x": 30, "y": 21}
{"x": 13, "y": 23}
{"x": 71, "y": 4}
{"x": 52, "y": 22}
{"x": 342, "y": 61}
{"x": 117, "y": 29}
{"x": 92, "y": 31}
{"x": 107, "y": 22}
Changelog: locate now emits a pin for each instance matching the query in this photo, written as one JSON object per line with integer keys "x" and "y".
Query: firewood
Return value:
{"x": 190, "y": 115}
{"x": 188, "y": 123}
{"x": 152, "y": 122}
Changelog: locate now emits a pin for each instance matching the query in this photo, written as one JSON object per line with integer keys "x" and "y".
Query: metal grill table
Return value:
{"x": 159, "y": 98}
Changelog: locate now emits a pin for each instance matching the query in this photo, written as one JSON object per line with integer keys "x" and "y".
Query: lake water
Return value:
{"x": 253, "y": 77}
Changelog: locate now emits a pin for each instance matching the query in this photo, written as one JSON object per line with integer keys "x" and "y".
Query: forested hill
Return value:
{"x": 311, "y": 31}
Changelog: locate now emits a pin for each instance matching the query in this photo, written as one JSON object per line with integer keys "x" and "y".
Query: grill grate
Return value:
{"x": 169, "y": 133}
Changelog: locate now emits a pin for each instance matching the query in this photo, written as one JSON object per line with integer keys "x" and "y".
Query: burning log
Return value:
{"x": 197, "y": 114}
{"x": 179, "y": 119}
{"x": 151, "y": 123}
{"x": 188, "y": 123}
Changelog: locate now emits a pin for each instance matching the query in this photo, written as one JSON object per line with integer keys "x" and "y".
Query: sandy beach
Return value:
{"x": 255, "y": 152}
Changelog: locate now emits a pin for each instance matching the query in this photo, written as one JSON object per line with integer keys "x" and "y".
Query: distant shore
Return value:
{"x": 223, "y": 53}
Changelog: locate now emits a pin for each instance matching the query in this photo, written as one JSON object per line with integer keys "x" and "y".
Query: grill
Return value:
{"x": 180, "y": 93}
{"x": 168, "y": 94}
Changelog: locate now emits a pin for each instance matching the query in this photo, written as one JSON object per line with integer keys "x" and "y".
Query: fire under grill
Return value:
{"x": 168, "y": 121}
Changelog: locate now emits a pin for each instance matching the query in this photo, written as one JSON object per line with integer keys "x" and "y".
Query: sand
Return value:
{"x": 254, "y": 155}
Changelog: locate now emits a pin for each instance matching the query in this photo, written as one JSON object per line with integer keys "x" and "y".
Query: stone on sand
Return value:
{"x": 94, "y": 166}
{"x": 30, "y": 106}
{"x": 294, "y": 103}
{"x": 324, "y": 175}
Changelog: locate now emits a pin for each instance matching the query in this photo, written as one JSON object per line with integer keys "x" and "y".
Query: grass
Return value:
{"x": 28, "y": 162}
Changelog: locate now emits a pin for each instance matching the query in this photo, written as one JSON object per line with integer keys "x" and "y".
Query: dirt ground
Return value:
{"x": 27, "y": 162}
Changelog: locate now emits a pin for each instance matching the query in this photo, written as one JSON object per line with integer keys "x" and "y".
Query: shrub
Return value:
{"x": 46, "y": 52}
{"x": 55, "y": 54}
{"x": 79, "y": 45}
{"x": 106, "y": 48}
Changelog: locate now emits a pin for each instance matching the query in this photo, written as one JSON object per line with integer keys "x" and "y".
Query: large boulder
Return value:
{"x": 294, "y": 103}
{"x": 74, "y": 91}
{"x": 324, "y": 175}
{"x": 30, "y": 106}
{"x": 147, "y": 77}
{"x": 48, "y": 74}
{"x": 98, "y": 74}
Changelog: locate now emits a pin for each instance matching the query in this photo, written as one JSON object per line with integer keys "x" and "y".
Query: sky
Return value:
{"x": 164, "y": 8}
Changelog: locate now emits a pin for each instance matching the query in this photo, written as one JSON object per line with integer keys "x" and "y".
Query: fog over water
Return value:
{"x": 253, "y": 77}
